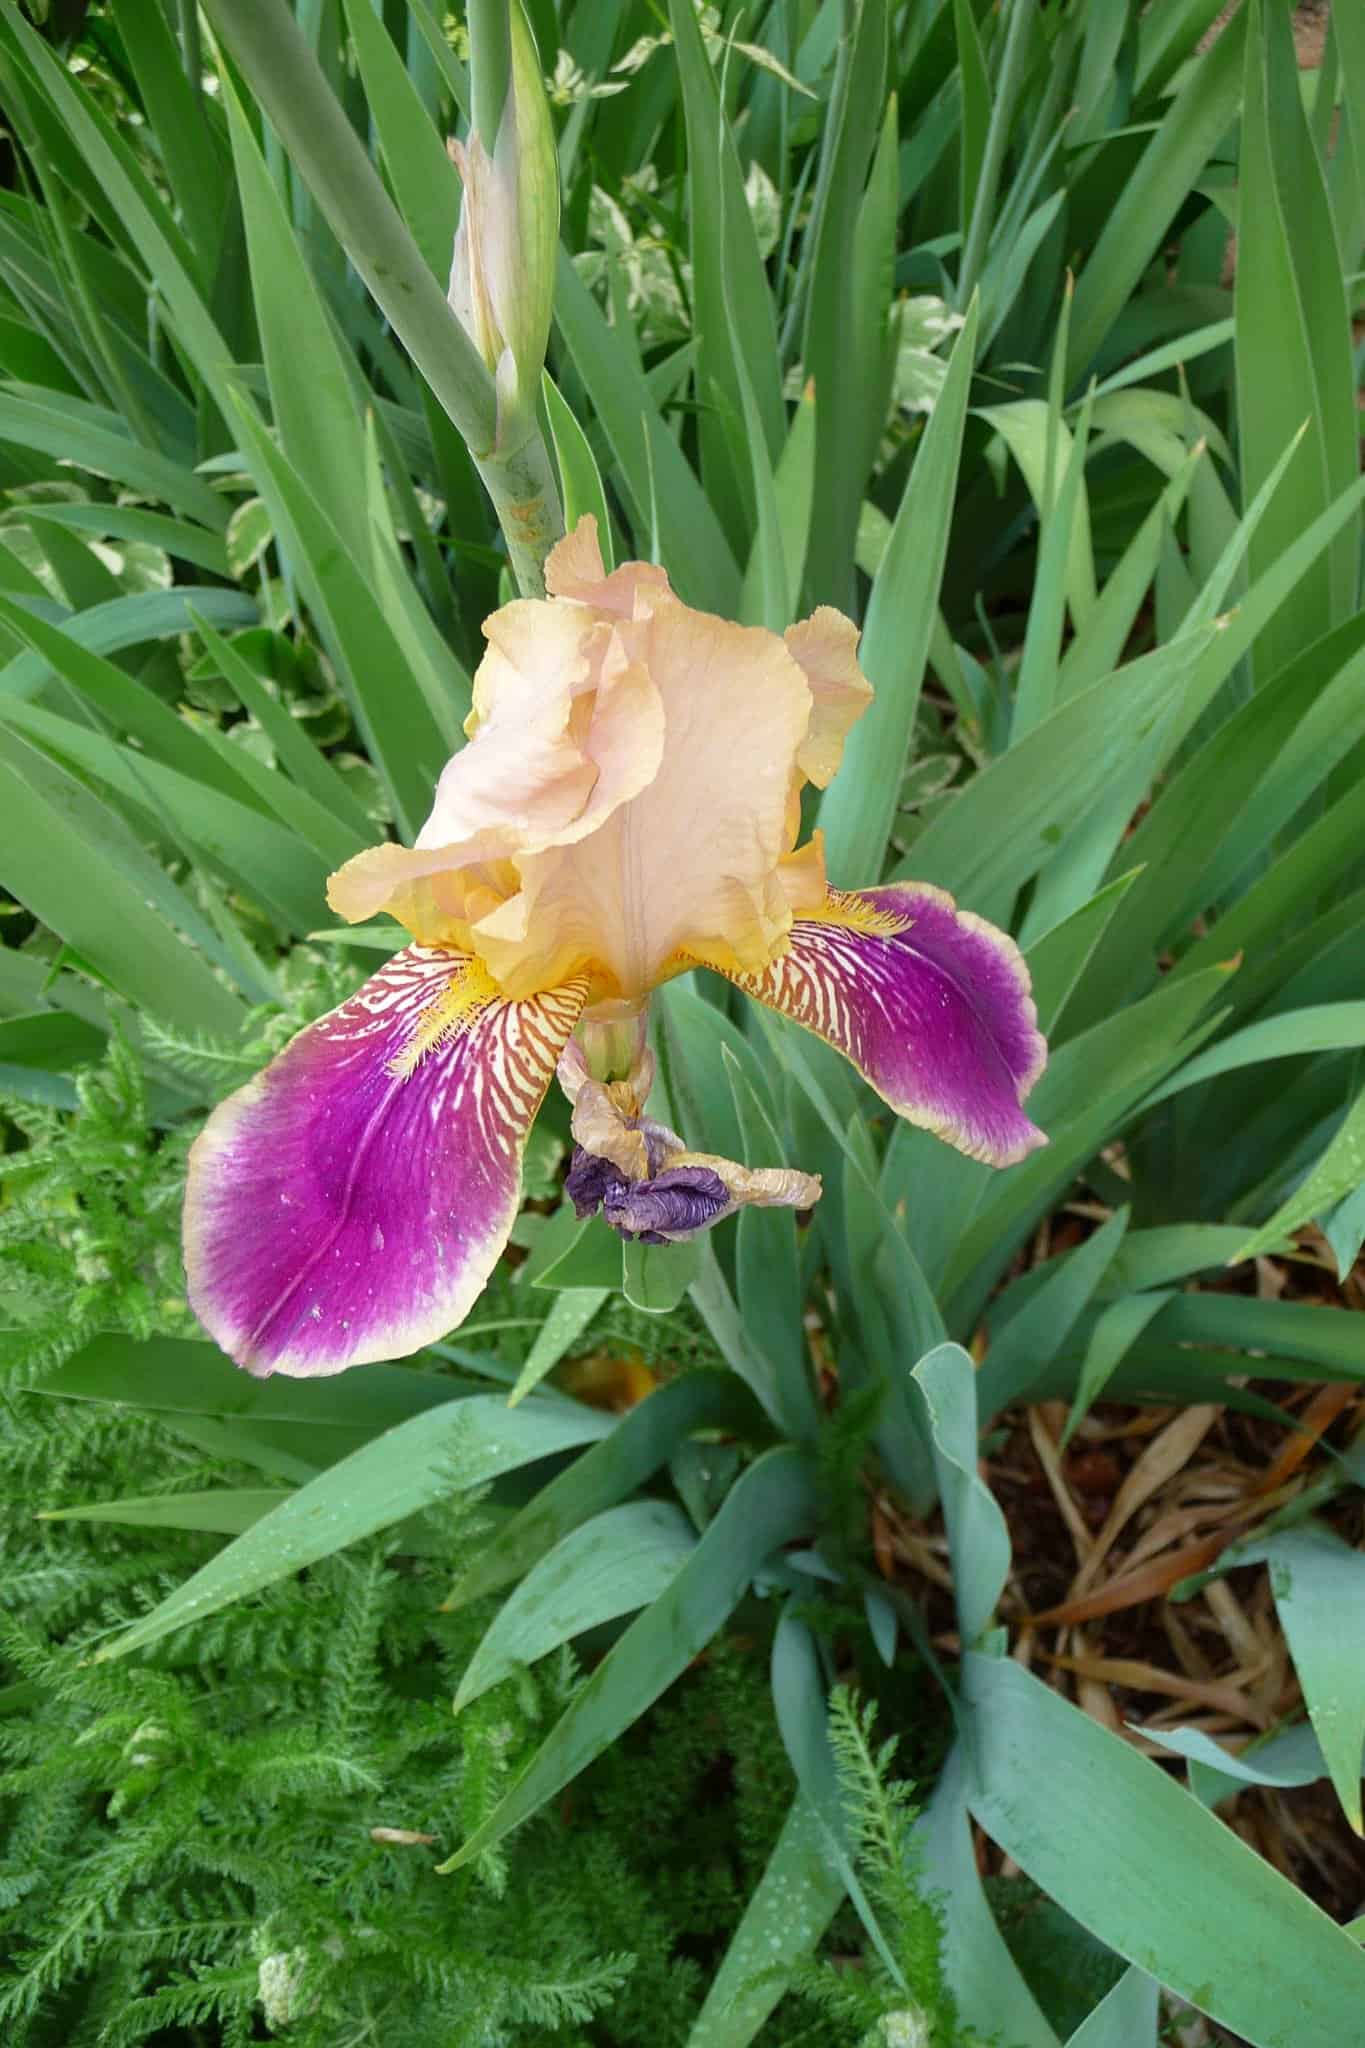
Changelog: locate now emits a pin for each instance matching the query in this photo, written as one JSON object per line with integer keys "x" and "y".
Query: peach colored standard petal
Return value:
{"x": 525, "y": 772}
{"x": 630, "y": 796}
{"x": 826, "y": 645}
{"x": 574, "y": 565}
{"x": 566, "y": 729}
{"x": 689, "y": 866}
{"x": 554, "y": 776}
{"x": 373, "y": 881}
{"x": 574, "y": 569}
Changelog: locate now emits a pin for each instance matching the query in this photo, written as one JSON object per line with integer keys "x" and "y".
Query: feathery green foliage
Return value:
{"x": 244, "y": 1825}
{"x": 868, "y": 2006}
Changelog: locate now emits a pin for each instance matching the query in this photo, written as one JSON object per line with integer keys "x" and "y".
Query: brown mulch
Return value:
{"x": 1104, "y": 1530}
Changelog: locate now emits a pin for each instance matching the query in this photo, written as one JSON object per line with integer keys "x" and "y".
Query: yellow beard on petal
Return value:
{"x": 856, "y": 914}
{"x": 468, "y": 993}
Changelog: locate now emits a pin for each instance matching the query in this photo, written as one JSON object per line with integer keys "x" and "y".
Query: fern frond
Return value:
{"x": 579, "y": 1996}
{"x": 221, "y": 1064}
{"x": 213, "y": 1994}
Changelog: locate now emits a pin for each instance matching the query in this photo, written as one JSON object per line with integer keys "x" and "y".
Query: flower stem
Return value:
{"x": 525, "y": 493}
{"x": 294, "y": 94}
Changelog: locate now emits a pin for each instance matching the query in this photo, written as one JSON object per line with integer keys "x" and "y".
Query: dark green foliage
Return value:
{"x": 1069, "y": 1971}
{"x": 195, "y": 1841}
{"x": 719, "y": 1792}
{"x": 189, "y": 1839}
{"x": 842, "y": 1451}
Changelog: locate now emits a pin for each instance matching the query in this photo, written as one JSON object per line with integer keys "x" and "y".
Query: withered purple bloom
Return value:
{"x": 682, "y": 1201}
{"x": 627, "y": 808}
{"x": 640, "y": 1174}
{"x": 676, "y": 1204}
{"x": 589, "y": 1181}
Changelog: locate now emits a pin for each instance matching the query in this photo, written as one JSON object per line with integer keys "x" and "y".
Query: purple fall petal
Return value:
{"x": 931, "y": 1004}
{"x": 339, "y": 1211}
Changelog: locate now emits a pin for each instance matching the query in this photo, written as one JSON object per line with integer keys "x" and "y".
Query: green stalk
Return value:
{"x": 287, "y": 81}
{"x": 525, "y": 491}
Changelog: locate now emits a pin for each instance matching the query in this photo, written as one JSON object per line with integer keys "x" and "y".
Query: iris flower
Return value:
{"x": 627, "y": 808}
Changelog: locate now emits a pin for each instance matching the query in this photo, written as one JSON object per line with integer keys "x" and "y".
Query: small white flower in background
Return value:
{"x": 569, "y": 83}
{"x": 918, "y": 327}
{"x": 655, "y": 279}
{"x": 608, "y": 222}
{"x": 278, "y": 1983}
{"x": 640, "y": 51}
{"x": 905, "y": 2030}
{"x": 280, "y": 1980}
{"x": 659, "y": 277}
{"x": 926, "y": 320}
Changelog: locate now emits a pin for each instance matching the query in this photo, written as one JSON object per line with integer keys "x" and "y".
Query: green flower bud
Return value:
{"x": 502, "y": 277}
